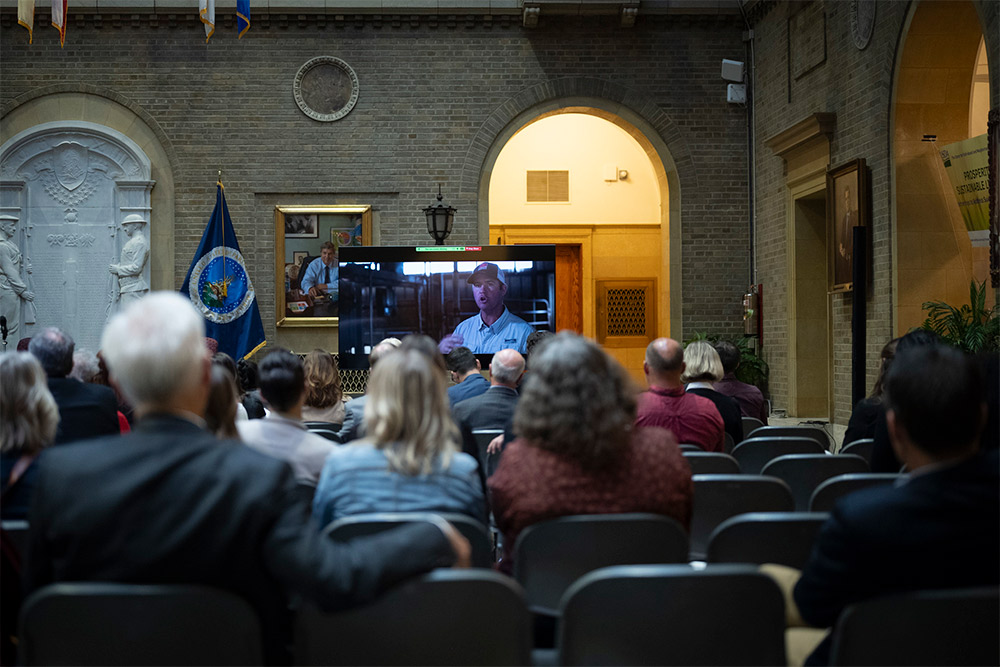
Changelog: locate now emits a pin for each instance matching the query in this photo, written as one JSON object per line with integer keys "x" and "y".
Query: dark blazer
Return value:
{"x": 85, "y": 410}
{"x": 474, "y": 385}
{"x": 354, "y": 419}
{"x": 937, "y": 530}
{"x": 864, "y": 417}
{"x": 729, "y": 408}
{"x": 169, "y": 503}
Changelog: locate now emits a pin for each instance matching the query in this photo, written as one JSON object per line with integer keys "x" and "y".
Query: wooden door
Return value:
{"x": 569, "y": 287}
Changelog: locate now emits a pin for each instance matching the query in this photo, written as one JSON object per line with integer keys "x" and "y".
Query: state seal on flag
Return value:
{"x": 220, "y": 287}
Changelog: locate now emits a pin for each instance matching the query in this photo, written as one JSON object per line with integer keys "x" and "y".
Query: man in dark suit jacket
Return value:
{"x": 465, "y": 373}
{"x": 354, "y": 410}
{"x": 85, "y": 410}
{"x": 493, "y": 409}
{"x": 936, "y": 530}
{"x": 170, "y": 504}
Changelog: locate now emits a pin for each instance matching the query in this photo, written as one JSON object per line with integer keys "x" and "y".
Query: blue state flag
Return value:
{"x": 242, "y": 17}
{"x": 219, "y": 287}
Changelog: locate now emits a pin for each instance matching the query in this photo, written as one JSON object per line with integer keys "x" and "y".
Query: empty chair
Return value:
{"x": 673, "y": 615}
{"x": 804, "y": 472}
{"x": 359, "y": 525}
{"x": 445, "y": 617}
{"x": 816, "y": 433}
{"x": 785, "y": 538}
{"x": 728, "y": 444}
{"x": 711, "y": 463}
{"x": 753, "y": 454}
{"x": 750, "y": 424}
{"x": 718, "y": 497}
{"x": 862, "y": 448}
{"x": 123, "y": 624}
{"x": 550, "y": 556}
{"x": 947, "y": 627}
{"x": 827, "y": 493}
{"x": 483, "y": 438}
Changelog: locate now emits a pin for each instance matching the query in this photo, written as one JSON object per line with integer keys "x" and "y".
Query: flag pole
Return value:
{"x": 225, "y": 287}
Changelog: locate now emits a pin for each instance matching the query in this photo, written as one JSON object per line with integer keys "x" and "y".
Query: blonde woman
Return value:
{"x": 28, "y": 421}
{"x": 409, "y": 460}
{"x": 702, "y": 369}
{"x": 324, "y": 397}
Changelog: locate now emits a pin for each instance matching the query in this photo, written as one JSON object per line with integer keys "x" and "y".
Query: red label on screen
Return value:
{"x": 473, "y": 247}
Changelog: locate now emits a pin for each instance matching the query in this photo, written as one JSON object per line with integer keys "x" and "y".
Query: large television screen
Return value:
{"x": 486, "y": 298}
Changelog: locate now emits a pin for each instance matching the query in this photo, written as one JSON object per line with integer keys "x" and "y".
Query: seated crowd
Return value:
{"x": 192, "y": 468}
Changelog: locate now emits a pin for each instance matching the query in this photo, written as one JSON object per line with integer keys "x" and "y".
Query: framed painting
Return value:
{"x": 846, "y": 208}
{"x": 306, "y": 270}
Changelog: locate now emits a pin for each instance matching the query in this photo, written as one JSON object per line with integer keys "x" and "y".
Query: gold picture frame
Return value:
{"x": 341, "y": 225}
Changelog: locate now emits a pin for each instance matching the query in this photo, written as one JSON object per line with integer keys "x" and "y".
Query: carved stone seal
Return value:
{"x": 326, "y": 88}
{"x": 862, "y": 22}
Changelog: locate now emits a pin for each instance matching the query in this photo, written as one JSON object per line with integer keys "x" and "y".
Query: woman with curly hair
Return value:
{"x": 324, "y": 398}
{"x": 577, "y": 450}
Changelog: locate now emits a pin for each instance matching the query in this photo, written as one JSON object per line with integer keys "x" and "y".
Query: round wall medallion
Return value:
{"x": 862, "y": 22}
{"x": 326, "y": 88}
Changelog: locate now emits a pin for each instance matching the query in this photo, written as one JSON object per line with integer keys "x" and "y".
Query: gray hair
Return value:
{"x": 85, "y": 365}
{"x": 154, "y": 348}
{"x": 701, "y": 362}
{"x": 507, "y": 373}
{"x": 54, "y": 350}
{"x": 28, "y": 413}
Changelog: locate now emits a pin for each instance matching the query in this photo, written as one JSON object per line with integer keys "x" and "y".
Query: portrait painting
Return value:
{"x": 301, "y": 226}
{"x": 847, "y": 205}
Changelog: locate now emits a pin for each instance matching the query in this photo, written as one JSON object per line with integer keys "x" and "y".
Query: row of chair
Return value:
{"x": 624, "y": 615}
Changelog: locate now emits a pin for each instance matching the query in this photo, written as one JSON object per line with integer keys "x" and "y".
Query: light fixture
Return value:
{"x": 440, "y": 218}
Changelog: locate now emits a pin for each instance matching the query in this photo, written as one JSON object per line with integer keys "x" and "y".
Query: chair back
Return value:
{"x": 753, "y": 454}
{"x": 711, "y": 463}
{"x": 804, "y": 472}
{"x": 445, "y": 617}
{"x": 947, "y": 627}
{"x": 828, "y": 492}
{"x": 816, "y": 433}
{"x": 16, "y": 530}
{"x": 361, "y": 525}
{"x": 750, "y": 424}
{"x": 126, "y": 624}
{"x": 862, "y": 448}
{"x": 688, "y": 447}
{"x": 551, "y": 555}
{"x": 718, "y": 497}
{"x": 328, "y": 430}
{"x": 785, "y": 538}
{"x": 673, "y": 615}
{"x": 483, "y": 437}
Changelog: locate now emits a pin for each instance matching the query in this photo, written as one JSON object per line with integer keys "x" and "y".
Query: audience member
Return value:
{"x": 936, "y": 530}
{"x": 166, "y": 503}
{"x": 324, "y": 397}
{"x": 248, "y": 378}
{"x": 426, "y": 346}
{"x": 354, "y": 421}
{"x": 226, "y": 362}
{"x": 282, "y": 433}
{"x": 465, "y": 373}
{"x": 409, "y": 459}
{"x": 220, "y": 410}
{"x": 691, "y": 418}
{"x": 702, "y": 370}
{"x": 869, "y": 411}
{"x": 534, "y": 339}
{"x": 86, "y": 368}
{"x": 749, "y": 397}
{"x": 85, "y": 410}
{"x": 577, "y": 451}
{"x": 28, "y": 422}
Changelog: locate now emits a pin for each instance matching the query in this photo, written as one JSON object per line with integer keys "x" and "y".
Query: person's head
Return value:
{"x": 28, "y": 413}
{"x": 220, "y": 409}
{"x": 229, "y": 364}
{"x": 534, "y": 338}
{"x": 577, "y": 402}
{"x": 156, "y": 354}
{"x": 729, "y": 355}
{"x": 132, "y": 223}
{"x": 461, "y": 362}
{"x": 506, "y": 368}
{"x": 283, "y": 379}
{"x": 322, "y": 379}
{"x": 407, "y": 413}
{"x": 86, "y": 368}
{"x": 247, "y": 374}
{"x": 701, "y": 363}
{"x": 7, "y": 224}
{"x": 847, "y": 195}
{"x": 934, "y": 403}
{"x": 489, "y": 286}
{"x": 888, "y": 352}
{"x": 664, "y": 362}
{"x": 328, "y": 253}
{"x": 918, "y": 338}
{"x": 426, "y": 346}
{"x": 54, "y": 350}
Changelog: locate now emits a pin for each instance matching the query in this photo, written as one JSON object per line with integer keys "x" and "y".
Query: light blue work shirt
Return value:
{"x": 508, "y": 332}
{"x": 316, "y": 275}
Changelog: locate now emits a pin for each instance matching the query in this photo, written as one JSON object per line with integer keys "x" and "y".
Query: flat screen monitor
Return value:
{"x": 451, "y": 292}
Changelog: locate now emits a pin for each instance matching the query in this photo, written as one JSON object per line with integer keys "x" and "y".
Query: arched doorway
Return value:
{"x": 941, "y": 97}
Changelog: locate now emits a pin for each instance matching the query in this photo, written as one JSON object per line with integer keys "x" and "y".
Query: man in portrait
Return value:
{"x": 321, "y": 275}
{"x": 847, "y": 218}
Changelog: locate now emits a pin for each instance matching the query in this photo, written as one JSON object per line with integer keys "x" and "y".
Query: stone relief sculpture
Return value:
{"x": 132, "y": 286}
{"x": 13, "y": 289}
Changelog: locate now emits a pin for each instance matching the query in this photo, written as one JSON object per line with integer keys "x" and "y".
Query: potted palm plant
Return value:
{"x": 972, "y": 327}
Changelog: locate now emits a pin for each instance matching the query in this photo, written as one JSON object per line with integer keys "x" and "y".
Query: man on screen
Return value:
{"x": 495, "y": 328}
{"x": 321, "y": 274}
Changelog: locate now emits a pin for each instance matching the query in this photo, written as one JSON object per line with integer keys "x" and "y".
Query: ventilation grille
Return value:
{"x": 627, "y": 312}
{"x": 548, "y": 186}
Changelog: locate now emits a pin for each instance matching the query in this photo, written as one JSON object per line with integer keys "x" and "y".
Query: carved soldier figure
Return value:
{"x": 131, "y": 285}
{"x": 13, "y": 290}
